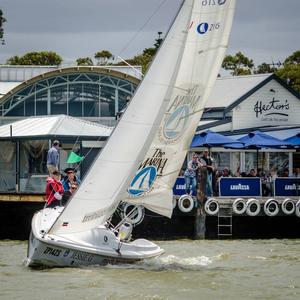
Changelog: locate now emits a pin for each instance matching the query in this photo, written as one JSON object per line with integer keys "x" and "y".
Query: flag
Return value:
{"x": 74, "y": 158}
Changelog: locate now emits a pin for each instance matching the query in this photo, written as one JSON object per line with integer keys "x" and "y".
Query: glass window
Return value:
{"x": 41, "y": 103}
{"x": 76, "y": 100}
{"x": 33, "y": 169}
{"x": 59, "y": 98}
{"x": 278, "y": 162}
{"x": 7, "y": 166}
{"x": 91, "y": 100}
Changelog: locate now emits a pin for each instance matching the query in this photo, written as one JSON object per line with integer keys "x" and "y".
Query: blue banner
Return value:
{"x": 239, "y": 186}
{"x": 179, "y": 187}
{"x": 284, "y": 186}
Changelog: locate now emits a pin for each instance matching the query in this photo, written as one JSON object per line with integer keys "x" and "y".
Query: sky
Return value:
{"x": 264, "y": 30}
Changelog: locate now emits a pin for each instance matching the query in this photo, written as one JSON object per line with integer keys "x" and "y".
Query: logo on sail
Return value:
{"x": 202, "y": 28}
{"x": 143, "y": 181}
{"x": 176, "y": 122}
{"x": 221, "y": 2}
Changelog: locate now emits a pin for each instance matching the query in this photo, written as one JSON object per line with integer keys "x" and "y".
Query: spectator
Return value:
{"x": 285, "y": 172}
{"x": 190, "y": 175}
{"x": 207, "y": 162}
{"x": 53, "y": 158}
{"x": 252, "y": 173}
{"x": 297, "y": 173}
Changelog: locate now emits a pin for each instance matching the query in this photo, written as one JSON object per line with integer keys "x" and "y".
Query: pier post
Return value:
{"x": 199, "y": 223}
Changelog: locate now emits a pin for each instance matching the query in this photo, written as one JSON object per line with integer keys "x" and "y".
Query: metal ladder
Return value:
{"x": 225, "y": 222}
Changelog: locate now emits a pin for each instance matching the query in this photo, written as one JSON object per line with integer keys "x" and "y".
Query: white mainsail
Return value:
{"x": 204, "y": 51}
{"x": 107, "y": 180}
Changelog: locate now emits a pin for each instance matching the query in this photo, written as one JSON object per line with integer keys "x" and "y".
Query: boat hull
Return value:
{"x": 99, "y": 247}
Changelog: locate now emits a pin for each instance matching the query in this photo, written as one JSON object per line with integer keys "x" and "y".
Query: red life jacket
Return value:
{"x": 53, "y": 187}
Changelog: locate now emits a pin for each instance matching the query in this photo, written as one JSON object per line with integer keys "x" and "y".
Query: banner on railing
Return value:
{"x": 284, "y": 186}
{"x": 239, "y": 187}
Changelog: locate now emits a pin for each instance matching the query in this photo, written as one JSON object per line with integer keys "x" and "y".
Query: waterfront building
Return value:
{"x": 236, "y": 106}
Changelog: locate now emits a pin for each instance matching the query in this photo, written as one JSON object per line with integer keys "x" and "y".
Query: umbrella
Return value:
{"x": 294, "y": 140}
{"x": 209, "y": 139}
{"x": 258, "y": 140}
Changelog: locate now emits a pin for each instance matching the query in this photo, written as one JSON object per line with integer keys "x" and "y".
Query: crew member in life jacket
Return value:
{"x": 70, "y": 179}
{"x": 54, "y": 190}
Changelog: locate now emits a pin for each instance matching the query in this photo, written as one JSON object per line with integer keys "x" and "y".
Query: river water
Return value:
{"x": 206, "y": 269}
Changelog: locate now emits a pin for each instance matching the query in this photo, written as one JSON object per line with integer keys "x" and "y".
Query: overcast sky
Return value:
{"x": 264, "y": 30}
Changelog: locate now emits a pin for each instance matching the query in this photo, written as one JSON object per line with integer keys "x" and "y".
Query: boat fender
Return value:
{"x": 239, "y": 206}
{"x": 288, "y": 206}
{"x": 137, "y": 215}
{"x": 211, "y": 206}
{"x": 297, "y": 209}
{"x": 253, "y": 207}
{"x": 185, "y": 203}
{"x": 271, "y": 208}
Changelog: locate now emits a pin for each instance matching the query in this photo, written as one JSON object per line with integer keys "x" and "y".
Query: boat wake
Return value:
{"x": 171, "y": 262}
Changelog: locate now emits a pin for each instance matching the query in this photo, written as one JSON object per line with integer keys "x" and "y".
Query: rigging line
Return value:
{"x": 142, "y": 27}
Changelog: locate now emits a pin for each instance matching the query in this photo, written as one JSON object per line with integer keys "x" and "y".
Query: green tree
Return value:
{"x": 238, "y": 64}
{"x": 42, "y": 58}
{"x": 146, "y": 57}
{"x": 103, "y": 57}
{"x": 290, "y": 73}
{"x": 293, "y": 59}
{"x": 2, "y": 21}
{"x": 265, "y": 68}
{"x": 84, "y": 61}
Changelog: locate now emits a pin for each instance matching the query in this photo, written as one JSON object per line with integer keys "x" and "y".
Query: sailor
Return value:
{"x": 70, "y": 179}
{"x": 54, "y": 190}
{"x": 53, "y": 157}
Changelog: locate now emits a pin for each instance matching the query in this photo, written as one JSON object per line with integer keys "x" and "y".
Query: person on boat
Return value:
{"x": 207, "y": 162}
{"x": 54, "y": 190}
{"x": 67, "y": 194}
{"x": 53, "y": 157}
{"x": 70, "y": 179}
{"x": 190, "y": 175}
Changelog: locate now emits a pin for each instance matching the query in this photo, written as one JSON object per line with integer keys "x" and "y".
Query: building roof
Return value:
{"x": 5, "y": 87}
{"x": 54, "y": 126}
{"x": 229, "y": 89}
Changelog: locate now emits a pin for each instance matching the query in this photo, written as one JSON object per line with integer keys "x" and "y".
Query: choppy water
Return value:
{"x": 247, "y": 269}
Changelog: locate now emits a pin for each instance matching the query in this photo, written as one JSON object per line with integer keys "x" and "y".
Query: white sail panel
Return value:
{"x": 204, "y": 51}
{"x": 107, "y": 180}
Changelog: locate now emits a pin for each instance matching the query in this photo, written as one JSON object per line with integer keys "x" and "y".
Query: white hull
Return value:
{"x": 99, "y": 246}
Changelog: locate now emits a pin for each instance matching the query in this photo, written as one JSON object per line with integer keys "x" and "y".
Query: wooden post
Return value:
{"x": 200, "y": 213}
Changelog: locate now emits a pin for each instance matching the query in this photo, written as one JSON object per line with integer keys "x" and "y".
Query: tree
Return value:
{"x": 2, "y": 21}
{"x": 84, "y": 61}
{"x": 290, "y": 73}
{"x": 239, "y": 64}
{"x": 42, "y": 58}
{"x": 146, "y": 57}
{"x": 265, "y": 68}
{"x": 293, "y": 59}
{"x": 103, "y": 57}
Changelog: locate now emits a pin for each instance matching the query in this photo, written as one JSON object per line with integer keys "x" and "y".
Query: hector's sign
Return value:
{"x": 271, "y": 108}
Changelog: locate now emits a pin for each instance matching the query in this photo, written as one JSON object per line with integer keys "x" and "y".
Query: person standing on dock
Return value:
{"x": 190, "y": 175}
{"x": 53, "y": 157}
{"x": 207, "y": 163}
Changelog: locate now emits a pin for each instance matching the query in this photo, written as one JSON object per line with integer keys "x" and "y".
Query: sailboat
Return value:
{"x": 144, "y": 154}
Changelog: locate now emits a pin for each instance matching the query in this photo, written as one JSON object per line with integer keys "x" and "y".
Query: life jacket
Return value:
{"x": 52, "y": 187}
